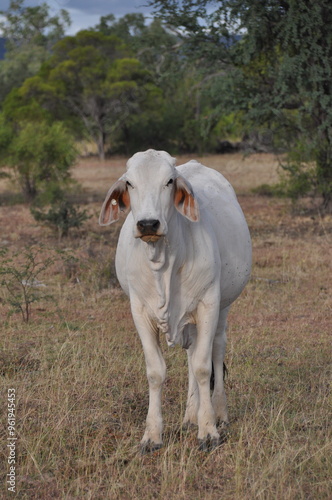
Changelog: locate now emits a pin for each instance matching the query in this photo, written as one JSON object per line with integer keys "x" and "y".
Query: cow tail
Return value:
{"x": 212, "y": 378}
{"x": 225, "y": 371}
{"x": 225, "y": 374}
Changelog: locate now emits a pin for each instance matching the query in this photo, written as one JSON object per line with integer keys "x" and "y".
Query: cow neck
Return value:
{"x": 165, "y": 259}
{"x": 158, "y": 259}
{"x": 156, "y": 254}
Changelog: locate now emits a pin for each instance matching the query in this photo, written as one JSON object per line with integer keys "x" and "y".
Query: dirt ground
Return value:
{"x": 78, "y": 371}
{"x": 244, "y": 172}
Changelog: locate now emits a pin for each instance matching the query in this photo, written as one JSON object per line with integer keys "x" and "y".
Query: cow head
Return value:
{"x": 151, "y": 188}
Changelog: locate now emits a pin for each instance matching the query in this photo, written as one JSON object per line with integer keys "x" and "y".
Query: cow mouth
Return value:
{"x": 150, "y": 238}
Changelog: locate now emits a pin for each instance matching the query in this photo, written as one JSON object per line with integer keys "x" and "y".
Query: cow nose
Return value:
{"x": 148, "y": 226}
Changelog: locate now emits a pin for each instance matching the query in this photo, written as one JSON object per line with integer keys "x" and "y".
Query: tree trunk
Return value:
{"x": 324, "y": 176}
{"x": 101, "y": 144}
{"x": 28, "y": 188}
{"x": 327, "y": 202}
{"x": 126, "y": 134}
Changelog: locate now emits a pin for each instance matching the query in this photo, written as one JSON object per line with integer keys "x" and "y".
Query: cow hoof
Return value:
{"x": 188, "y": 426}
{"x": 208, "y": 444}
{"x": 223, "y": 424}
{"x": 224, "y": 431}
{"x": 149, "y": 447}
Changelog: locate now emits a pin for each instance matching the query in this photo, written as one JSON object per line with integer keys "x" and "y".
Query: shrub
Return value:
{"x": 21, "y": 279}
{"x": 270, "y": 190}
{"x": 61, "y": 216}
{"x": 40, "y": 155}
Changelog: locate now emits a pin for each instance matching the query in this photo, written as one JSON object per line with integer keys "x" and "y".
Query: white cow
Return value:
{"x": 183, "y": 256}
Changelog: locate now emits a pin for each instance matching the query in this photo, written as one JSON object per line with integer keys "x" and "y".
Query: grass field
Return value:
{"x": 78, "y": 371}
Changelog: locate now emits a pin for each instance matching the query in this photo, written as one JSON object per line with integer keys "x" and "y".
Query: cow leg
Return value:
{"x": 190, "y": 417}
{"x": 219, "y": 401}
{"x": 156, "y": 373}
{"x": 207, "y": 319}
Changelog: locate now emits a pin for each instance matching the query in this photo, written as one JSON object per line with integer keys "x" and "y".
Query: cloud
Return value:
{"x": 101, "y": 7}
{"x": 86, "y": 14}
{"x": 81, "y": 20}
{"x": 97, "y": 7}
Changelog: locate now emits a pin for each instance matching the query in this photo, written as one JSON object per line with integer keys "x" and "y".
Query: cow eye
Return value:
{"x": 128, "y": 184}
{"x": 170, "y": 182}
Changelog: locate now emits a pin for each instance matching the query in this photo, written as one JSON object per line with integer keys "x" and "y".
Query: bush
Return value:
{"x": 270, "y": 190}
{"x": 21, "y": 279}
{"x": 61, "y": 216}
{"x": 300, "y": 180}
{"x": 301, "y": 171}
{"x": 40, "y": 155}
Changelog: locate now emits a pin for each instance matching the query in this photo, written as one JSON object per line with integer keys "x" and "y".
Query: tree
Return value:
{"x": 130, "y": 28}
{"x": 40, "y": 155}
{"x": 152, "y": 44}
{"x": 278, "y": 53}
{"x": 30, "y": 34}
{"x": 90, "y": 77}
{"x": 183, "y": 117}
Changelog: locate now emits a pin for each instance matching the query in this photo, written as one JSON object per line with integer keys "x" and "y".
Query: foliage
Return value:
{"x": 90, "y": 77}
{"x": 62, "y": 216}
{"x": 278, "y": 54}
{"x": 21, "y": 278}
{"x": 184, "y": 115}
{"x": 271, "y": 190}
{"x": 30, "y": 34}
{"x": 302, "y": 176}
{"x": 131, "y": 29}
{"x": 6, "y": 136}
{"x": 94, "y": 82}
{"x": 40, "y": 155}
{"x": 152, "y": 44}
{"x": 200, "y": 72}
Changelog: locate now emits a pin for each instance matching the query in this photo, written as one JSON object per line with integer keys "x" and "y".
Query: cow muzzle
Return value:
{"x": 147, "y": 230}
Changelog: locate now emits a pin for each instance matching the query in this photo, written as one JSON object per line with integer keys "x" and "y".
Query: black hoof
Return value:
{"x": 224, "y": 431}
{"x": 208, "y": 444}
{"x": 149, "y": 447}
{"x": 188, "y": 426}
{"x": 222, "y": 424}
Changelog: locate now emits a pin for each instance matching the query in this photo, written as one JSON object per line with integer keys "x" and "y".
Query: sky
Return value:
{"x": 86, "y": 13}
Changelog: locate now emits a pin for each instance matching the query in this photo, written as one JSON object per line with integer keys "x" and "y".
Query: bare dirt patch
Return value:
{"x": 244, "y": 172}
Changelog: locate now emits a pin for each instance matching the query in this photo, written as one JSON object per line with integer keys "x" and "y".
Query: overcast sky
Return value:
{"x": 86, "y": 13}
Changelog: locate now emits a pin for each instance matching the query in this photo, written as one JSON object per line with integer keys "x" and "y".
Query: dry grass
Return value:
{"x": 79, "y": 374}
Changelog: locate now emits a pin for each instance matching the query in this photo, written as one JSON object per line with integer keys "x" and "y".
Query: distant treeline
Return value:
{"x": 2, "y": 48}
{"x": 203, "y": 76}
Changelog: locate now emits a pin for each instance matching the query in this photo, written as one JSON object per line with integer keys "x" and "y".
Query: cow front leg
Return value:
{"x": 207, "y": 319}
{"x": 156, "y": 373}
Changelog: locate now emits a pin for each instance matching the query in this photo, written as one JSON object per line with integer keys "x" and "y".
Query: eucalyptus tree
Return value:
{"x": 92, "y": 81}
{"x": 277, "y": 55}
{"x": 30, "y": 34}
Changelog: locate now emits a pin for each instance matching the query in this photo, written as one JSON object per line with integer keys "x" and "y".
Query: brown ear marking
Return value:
{"x": 184, "y": 199}
{"x": 117, "y": 200}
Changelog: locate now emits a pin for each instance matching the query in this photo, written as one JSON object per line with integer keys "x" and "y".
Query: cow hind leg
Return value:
{"x": 219, "y": 400}
{"x": 190, "y": 417}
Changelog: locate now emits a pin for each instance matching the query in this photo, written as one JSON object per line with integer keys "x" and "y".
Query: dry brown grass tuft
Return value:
{"x": 78, "y": 370}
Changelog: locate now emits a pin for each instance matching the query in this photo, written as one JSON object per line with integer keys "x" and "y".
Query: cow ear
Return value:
{"x": 184, "y": 199}
{"x": 117, "y": 199}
